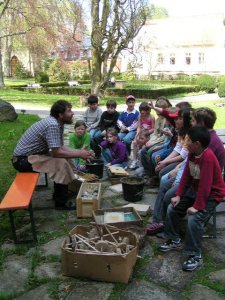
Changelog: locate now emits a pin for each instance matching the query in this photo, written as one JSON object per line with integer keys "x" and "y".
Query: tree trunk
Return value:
{"x": 96, "y": 73}
{"x": 1, "y": 69}
{"x": 8, "y": 53}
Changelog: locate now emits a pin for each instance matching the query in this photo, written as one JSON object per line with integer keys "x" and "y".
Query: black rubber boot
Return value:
{"x": 60, "y": 195}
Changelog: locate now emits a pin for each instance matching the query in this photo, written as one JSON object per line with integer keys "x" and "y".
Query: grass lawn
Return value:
{"x": 10, "y": 132}
{"x": 220, "y": 111}
{"x": 33, "y": 99}
{"x": 11, "y": 81}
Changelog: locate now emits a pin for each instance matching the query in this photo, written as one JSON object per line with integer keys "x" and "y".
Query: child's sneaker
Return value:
{"x": 170, "y": 245}
{"x": 133, "y": 165}
{"x": 155, "y": 228}
{"x": 192, "y": 263}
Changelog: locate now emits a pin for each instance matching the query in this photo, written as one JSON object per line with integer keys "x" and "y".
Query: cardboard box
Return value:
{"x": 88, "y": 199}
{"x": 142, "y": 209}
{"x": 115, "y": 174}
{"x": 98, "y": 216}
{"x": 109, "y": 268}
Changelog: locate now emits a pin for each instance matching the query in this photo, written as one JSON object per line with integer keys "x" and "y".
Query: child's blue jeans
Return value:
{"x": 93, "y": 132}
{"x": 127, "y": 138}
{"x": 107, "y": 158}
{"x": 195, "y": 224}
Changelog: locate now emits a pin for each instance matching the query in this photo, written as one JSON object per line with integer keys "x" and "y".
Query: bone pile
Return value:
{"x": 110, "y": 243}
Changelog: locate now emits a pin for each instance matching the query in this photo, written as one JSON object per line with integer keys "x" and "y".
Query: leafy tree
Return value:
{"x": 79, "y": 69}
{"x": 21, "y": 72}
{"x": 38, "y": 26}
{"x": 115, "y": 23}
{"x": 157, "y": 12}
{"x": 58, "y": 70}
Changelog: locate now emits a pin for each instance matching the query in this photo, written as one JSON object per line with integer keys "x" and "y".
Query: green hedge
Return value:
{"x": 152, "y": 93}
{"x": 50, "y": 84}
{"x": 221, "y": 90}
{"x": 63, "y": 90}
{"x": 137, "y": 92}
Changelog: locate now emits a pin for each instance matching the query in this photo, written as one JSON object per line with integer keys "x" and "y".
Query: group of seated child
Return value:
{"x": 179, "y": 152}
{"x": 110, "y": 134}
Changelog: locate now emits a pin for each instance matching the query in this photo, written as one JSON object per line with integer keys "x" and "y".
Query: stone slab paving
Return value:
{"x": 53, "y": 247}
{"x": 216, "y": 247}
{"x": 91, "y": 290}
{"x": 200, "y": 292}
{"x": 156, "y": 276}
{"x": 218, "y": 276}
{"x": 166, "y": 269}
{"x": 39, "y": 293}
{"x": 144, "y": 290}
{"x": 14, "y": 274}
{"x": 48, "y": 270}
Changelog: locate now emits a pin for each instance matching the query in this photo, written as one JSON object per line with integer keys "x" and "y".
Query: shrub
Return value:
{"x": 151, "y": 93}
{"x": 41, "y": 77}
{"x": 85, "y": 76}
{"x": 206, "y": 83}
{"x": 79, "y": 70}
{"x": 21, "y": 72}
{"x": 221, "y": 79}
{"x": 58, "y": 71}
{"x": 221, "y": 89}
{"x": 138, "y": 92}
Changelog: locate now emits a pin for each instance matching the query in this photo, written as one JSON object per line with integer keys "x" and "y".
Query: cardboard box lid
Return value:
{"x": 117, "y": 170}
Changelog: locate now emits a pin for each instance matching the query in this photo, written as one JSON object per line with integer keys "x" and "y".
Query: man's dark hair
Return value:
{"x": 199, "y": 134}
{"x": 92, "y": 99}
{"x": 205, "y": 115}
{"x": 111, "y": 103}
{"x": 144, "y": 106}
{"x": 59, "y": 107}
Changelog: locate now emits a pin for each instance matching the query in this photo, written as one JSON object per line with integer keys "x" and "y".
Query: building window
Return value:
{"x": 188, "y": 58}
{"x": 160, "y": 58}
{"x": 201, "y": 58}
{"x": 172, "y": 59}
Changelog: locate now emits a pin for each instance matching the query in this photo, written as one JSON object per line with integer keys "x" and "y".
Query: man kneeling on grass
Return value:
{"x": 201, "y": 189}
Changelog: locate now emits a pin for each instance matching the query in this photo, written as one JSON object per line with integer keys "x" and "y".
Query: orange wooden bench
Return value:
{"x": 19, "y": 196}
{"x": 221, "y": 134}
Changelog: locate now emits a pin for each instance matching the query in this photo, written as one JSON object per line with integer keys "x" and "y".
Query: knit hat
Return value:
{"x": 130, "y": 97}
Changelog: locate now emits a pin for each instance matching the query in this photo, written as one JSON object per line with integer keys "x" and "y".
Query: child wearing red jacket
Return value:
{"x": 201, "y": 189}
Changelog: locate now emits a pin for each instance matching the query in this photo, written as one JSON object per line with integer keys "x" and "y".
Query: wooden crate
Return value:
{"x": 115, "y": 174}
{"x": 85, "y": 205}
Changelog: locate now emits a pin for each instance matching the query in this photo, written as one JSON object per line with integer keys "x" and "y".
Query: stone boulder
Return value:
{"x": 7, "y": 111}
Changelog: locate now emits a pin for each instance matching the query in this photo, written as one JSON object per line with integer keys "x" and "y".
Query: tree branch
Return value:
{"x": 17, "y": 33}
{"x": 5, "y": 6}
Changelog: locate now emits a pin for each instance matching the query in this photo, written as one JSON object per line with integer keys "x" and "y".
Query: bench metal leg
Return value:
{"x": 46, "y": 181}
{"x": 11, "y": 217}
{"x": 13, "y": 227}
{"x": 213, "y": 226}
{"x": 32, "y": 222}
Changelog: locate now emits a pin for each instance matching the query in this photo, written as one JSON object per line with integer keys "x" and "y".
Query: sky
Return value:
{"x": 191, "y": 7}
